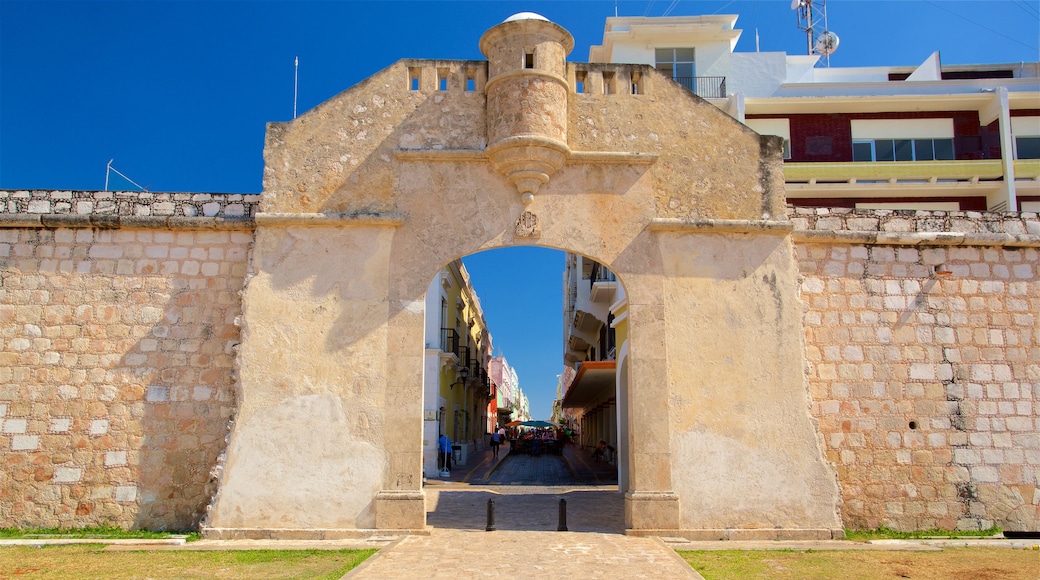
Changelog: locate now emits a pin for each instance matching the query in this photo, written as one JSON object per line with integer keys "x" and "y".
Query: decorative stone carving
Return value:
{"x": 527, "y": 225}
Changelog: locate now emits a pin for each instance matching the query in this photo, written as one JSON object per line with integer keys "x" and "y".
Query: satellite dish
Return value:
{"x": 826, "y": 44}
{"x": 796, "y": 4}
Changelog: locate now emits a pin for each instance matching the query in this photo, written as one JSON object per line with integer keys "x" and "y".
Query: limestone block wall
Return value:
{"x": 925, "y": 386}
{"x": 116, "y": 354}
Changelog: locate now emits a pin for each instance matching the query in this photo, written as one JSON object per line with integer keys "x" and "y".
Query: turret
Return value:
{"x": 527, "y": 99}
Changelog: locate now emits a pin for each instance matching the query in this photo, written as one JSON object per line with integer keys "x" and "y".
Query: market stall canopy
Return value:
{"x": 538, "y": 424}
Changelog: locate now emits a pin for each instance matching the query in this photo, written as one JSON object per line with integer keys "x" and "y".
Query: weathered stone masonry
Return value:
{"x": 117, "y": 356}
{"x": 923, "y": 358}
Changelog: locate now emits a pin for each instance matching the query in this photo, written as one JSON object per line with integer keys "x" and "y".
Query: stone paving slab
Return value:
{"x": 455, "y": 554}
{"x": 527, "y": 508}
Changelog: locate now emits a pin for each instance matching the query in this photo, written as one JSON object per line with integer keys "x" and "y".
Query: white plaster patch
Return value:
{"x": 98, "y": 427}
{"x": 115, "y": 458}
{"x": 157, "y": 394}
{"x": 126, "y": 493}
{"x": 19, "y": 344}
{"x": 751, "y": 486}
{"x": 67, "y": 474}
{"x": 13, "y": 426}
{"x": 60, "y": 424}
{"x": 414, "y": 306}
{"x": 331, "y": 480}
{"x": 25, "y": 442}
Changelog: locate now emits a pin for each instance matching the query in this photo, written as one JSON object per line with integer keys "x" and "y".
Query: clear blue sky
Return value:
{"x": 178, "y": 93}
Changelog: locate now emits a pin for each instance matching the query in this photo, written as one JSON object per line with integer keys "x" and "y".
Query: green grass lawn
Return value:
{"x": 93, "y": 561}
{"x": 967, "y": 563}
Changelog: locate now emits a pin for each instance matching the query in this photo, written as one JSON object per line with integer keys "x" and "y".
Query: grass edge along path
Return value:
{"x": 94, "y": 561}
{"x": 92, "y": 533}
{"x": 792, "y": 564}
{"x": 890, "y": 534}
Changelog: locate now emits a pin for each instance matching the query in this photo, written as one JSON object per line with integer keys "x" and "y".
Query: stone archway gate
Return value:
{"x": 367, "y": 195}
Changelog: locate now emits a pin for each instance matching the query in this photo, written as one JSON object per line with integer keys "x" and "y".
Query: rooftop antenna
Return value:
{"x": 109, "y": 170}
{"x": 812, "y": 18}
{"x": 296, "y": 84}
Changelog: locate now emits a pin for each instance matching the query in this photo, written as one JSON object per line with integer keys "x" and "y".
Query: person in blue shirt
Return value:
{"x": 444, "y": 453}
{"x": 496, "y": 440}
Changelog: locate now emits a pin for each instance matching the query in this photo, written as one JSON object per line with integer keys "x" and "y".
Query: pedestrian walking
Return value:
{"x": 444, "y": 455}
{"x": 496, "y": 441}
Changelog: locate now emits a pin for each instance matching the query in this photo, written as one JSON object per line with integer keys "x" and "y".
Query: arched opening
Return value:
{"x": 521, "y": 342}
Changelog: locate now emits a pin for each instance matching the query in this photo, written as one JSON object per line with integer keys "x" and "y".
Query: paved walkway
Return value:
{"x": 526, "y": 542}
{"x": 456, "y": 554}
{"x": 513, "y": 469}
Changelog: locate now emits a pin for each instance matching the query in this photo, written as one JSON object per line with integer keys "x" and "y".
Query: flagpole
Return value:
{"x": 296, "y": 85}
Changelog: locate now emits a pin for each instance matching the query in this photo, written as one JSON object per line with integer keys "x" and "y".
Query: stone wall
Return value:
{"x": 117, "y": 358}
{"x": 116, "y": 355}
{"x": 925, "y": 383}
{"x": 124, "y": 205}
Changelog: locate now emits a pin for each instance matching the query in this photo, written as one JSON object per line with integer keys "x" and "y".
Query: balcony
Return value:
{"x": 450, "y": 342}
{"x": 604, "y": 285}
{"x": 892, "y": 172}
{"x": 704, "y": 87}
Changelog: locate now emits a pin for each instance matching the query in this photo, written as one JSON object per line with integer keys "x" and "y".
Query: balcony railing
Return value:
{"x": 601, "y": 274}
{"x": 450, "y": 341}
{"x": 896, "y": 171}
{"x": 704, "y": 87}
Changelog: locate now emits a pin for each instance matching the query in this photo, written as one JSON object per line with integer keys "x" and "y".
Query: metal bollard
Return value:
{"x": 563, "y": 516}
{"x": 490, "y": 516}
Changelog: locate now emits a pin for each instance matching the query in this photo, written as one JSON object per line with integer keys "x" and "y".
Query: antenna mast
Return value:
{"x": 296, "y": 84}
{"x": 812, "y": 18}
{"x": 109, "y": 170}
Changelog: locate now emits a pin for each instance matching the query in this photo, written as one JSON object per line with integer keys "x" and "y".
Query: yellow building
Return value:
{"x": 456, "y": 387}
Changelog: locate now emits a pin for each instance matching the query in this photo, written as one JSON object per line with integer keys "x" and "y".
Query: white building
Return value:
{"x": 929, "y": 136}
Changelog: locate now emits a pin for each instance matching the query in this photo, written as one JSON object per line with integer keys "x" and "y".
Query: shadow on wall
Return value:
{"x": 465, "y": 206}
{"x": 188, "y": 401}
{"x": 123, "y": 363}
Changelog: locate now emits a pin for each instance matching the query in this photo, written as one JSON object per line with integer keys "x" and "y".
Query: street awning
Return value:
{"x": 595, "y": 381}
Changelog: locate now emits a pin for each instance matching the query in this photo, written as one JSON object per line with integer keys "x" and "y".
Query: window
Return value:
{"x": 529, "y": 59}
{"x": 1026, "y": 132}
{"x": 581, "y": 83}
{"x": 442, "y": 79}
{"x": 902, "y": 149}
{"x": 637, "y": 83}
{"x": 1027, "y": 147}
{"x": 677, "y": 63}
{"x": 414, "y": 78}
{"x": 608, "y": 83}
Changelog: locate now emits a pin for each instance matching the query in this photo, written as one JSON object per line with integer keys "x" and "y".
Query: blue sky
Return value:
{"x": 178, "y": 94}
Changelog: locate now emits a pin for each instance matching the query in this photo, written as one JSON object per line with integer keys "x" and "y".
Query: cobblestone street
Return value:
{"x": 526, "y": 542}
{"x": 528, "y": 470}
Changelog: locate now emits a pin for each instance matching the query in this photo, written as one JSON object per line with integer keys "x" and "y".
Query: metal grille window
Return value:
{"x": 902, "y": 150}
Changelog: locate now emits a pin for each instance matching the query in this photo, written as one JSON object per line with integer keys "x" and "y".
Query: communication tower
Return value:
{"x": 812, "y": 18}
